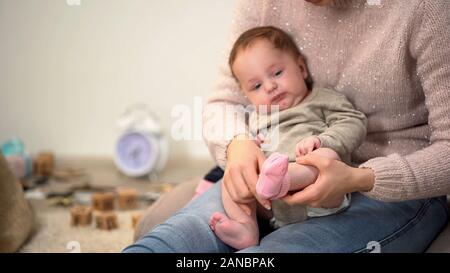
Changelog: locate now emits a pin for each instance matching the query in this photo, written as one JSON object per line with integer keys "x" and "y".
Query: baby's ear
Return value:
{"x": 302, "y": 64}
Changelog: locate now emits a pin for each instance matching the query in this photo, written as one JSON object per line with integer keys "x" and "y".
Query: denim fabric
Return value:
{"x": 367, "y": 225}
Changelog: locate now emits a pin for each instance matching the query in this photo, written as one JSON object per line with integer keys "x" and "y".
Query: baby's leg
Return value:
{"x": 278, "y": 176}
{"x": 304, "y": 175}
{"x": 273, "y": 181}
{"x": 239, "y": 229}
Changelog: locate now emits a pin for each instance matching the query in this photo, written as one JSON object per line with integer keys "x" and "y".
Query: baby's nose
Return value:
{"x": 271, "y": 85}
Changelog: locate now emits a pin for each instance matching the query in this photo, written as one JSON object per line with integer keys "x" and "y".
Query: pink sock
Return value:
{"x": 273, "y": 181}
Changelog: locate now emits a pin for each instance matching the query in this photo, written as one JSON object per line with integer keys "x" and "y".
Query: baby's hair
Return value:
{"x": 277, "y": 37}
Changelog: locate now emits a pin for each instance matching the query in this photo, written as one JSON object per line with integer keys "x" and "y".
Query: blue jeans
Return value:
{"x": 408, "y": 226}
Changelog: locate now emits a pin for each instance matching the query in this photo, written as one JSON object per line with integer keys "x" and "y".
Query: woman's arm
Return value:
{"x": 425, "y": 173}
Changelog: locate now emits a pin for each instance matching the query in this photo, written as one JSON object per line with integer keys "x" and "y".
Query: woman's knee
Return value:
{"x": 187, "y": 230}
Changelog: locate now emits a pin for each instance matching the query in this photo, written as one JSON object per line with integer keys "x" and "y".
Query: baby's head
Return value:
{"x": 269, "y": 68}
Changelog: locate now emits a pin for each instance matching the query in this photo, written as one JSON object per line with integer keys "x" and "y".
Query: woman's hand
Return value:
{"x": 334, "y": 181}
{"x": 244, "y": 160}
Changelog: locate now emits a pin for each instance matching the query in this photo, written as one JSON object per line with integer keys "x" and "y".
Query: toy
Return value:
{"x": 18, "y": 159}
{"x": 128, "y": 198}
{"x": 106, "y": 220}
{"x": 135, "y": 218}
{"x": 81, "y": 216}
{"x": 103, "y": 201}
{"x": 44, "y": 163}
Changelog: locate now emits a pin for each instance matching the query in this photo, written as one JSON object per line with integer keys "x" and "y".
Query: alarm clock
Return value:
{"x": 141, "y": 147}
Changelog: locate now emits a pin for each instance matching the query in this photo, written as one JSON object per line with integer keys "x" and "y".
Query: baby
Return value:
{"x": 271, "y": 72}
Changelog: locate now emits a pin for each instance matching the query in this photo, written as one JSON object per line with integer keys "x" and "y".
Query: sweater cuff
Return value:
{"x": 219, "y": 150}
{"x": 324, "y": 143}
{"x": 220, "y": 153}
{"x": 328, "y": 142}
{"x": 389, "y": 177}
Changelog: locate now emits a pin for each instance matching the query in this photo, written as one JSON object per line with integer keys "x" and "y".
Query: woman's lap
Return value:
{"x": 398, "y": 227}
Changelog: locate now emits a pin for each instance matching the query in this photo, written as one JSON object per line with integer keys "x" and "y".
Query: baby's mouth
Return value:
{"x": 278, "y": 98}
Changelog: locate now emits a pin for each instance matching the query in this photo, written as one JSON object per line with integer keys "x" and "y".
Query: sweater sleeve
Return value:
{"x": 224, "y": 112}
{"x": 346, "y": 126}
{"x": 424, "y": 173}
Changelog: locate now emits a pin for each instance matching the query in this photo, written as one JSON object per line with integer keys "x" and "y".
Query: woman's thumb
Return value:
{"x": 261, "y": 158}
{"x": 311, "y": 160}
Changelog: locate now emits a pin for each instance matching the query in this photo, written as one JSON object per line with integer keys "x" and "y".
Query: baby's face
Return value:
{"x": 269, "y": 76}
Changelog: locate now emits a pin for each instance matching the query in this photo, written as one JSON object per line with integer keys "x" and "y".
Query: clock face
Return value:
{"x": 134, "y": 151}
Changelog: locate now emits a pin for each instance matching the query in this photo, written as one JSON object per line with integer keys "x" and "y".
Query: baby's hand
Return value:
{"x": 307, "y": 145}
{"x": 259, "y": 139}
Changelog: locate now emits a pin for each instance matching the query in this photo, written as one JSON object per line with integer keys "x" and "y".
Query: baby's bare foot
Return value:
{"x": 233, "y": 233}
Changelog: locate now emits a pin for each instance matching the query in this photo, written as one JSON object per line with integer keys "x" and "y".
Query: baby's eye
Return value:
{"x": 278, "y": 72}
{"x": 256, "y": 86}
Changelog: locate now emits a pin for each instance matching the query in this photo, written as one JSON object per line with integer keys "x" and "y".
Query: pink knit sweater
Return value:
{"x": 392, "y": 61}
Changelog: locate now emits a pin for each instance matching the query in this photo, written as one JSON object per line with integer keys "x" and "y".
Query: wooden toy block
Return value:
{"x": 135, "y": 217}
{"x": 103, "y": 201}
{"x": 106, "y": 220}
{"x": 81, "y": 216}
{"x": 44, "y": 163}
{"x": 128, "y": 198}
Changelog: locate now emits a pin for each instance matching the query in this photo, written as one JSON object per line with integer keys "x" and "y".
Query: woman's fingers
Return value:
{"x": 264, "y": 202}
{"x": 314, "y": 160}
{"x": 251, "y": 178}
{"x": 332, "y": 183}
{"x": 244, "y": 162}
{"x": 237, "y": 187}
{"x": 261, "y": 158}
{"x": 312, "y": 194}
{"x": 307, "y": 196}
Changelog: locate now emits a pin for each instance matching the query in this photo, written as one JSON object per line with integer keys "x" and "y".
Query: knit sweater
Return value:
{"x": 392, "y": 61}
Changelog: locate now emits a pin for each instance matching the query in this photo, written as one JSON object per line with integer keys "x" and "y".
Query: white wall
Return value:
{"x": 67, "y": 72}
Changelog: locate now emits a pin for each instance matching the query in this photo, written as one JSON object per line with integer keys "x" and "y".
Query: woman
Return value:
{"x": 392, "y": 61}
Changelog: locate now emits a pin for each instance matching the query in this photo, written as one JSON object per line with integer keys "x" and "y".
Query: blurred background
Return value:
{"x": 69, "y": 68}
{"x": 68, "y": 71}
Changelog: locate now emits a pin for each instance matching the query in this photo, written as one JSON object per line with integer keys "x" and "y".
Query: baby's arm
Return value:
{"x": 346, "y": 125}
